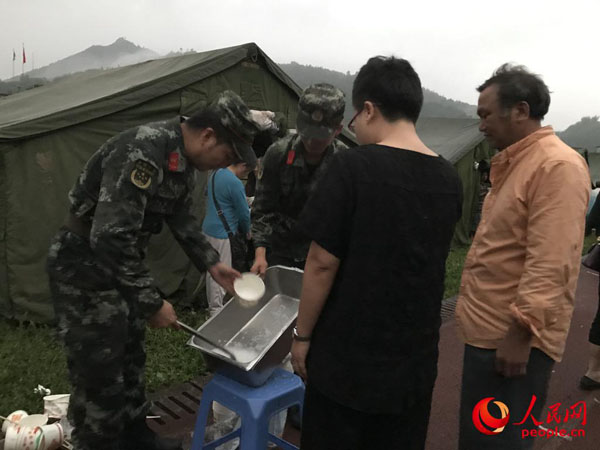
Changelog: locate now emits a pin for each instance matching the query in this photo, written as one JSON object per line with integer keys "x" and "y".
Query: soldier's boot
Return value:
{"x": 591, "y": 380}
{"x": 139, "y": 437}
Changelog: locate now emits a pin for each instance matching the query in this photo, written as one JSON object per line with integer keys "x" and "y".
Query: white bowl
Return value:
{"x": 12, "y": 437}
{"x": 34, "y": 420}
{"x": 13, "y": 418}
{"x": 249, "y": 287}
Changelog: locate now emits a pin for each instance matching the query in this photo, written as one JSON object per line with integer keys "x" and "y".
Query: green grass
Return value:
{"x": 170, "y": 361}
{"x": 454, "y": 267}
{"x": 30, "y": 355}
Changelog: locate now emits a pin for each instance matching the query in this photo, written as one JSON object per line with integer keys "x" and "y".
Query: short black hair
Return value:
{"x": 207, "y": 117}
{"x": 392, "y": 84}
{"x": 516, "y": 84}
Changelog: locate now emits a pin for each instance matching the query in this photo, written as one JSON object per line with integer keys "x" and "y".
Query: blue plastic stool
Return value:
{"x": 255, "y": 406}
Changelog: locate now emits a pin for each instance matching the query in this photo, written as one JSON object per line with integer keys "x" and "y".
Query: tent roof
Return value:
{"x": 97, "y": 93}
{"x": 451, "y": 138}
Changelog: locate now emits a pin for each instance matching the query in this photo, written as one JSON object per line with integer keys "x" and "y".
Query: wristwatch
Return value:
{"x": 299, "y": 338}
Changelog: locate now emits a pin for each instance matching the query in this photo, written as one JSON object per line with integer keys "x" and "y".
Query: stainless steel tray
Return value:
{"x": 259, "y": 336}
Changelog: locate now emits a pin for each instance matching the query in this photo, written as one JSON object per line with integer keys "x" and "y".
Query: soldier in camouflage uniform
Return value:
{"x": 102, "y": 291}
{"x": 289, "y": 173}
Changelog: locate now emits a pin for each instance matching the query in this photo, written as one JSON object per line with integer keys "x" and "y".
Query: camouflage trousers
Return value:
{"x": 104, "y": 339}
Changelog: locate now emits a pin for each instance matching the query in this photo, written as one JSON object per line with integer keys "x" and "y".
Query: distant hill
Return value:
{"x": 584, "y": 134}
{"x": 434, "y": 105}
{"x": 119, "y": 53}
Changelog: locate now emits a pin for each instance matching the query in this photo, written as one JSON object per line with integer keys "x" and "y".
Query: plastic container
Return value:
{"x": 262, "y": 333}
{"x": 53, "y": 436}
{"x": 249, "y": 289}
{"x": 13, "y": 418}
{"x": 56, "y": 406}
{"x": 34, "y": 421}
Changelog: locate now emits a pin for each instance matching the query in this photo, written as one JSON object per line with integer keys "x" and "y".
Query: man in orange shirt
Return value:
{"x": 517, "y": 290}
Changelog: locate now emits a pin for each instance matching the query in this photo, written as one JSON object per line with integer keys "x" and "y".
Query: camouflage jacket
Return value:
{"x": 284, "y": 184}
{"x": 133, "y": 183}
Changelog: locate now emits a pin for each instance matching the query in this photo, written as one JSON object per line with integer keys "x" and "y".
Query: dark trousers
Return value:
{"x": 480, "y": 380}
{"x": 328, "y": 425}
{"x": 595, "y": 330}
{"x": 104, "y": 345}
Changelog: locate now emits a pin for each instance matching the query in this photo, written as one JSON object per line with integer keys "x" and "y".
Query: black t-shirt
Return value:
{"x": 388, "y": 214}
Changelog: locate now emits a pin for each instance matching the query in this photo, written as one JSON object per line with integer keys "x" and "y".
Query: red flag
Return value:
{"x": 24, "y": 58}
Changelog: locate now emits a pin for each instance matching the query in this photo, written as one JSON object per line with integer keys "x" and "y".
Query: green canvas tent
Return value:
{"x": 463, "y": 145}
{"x": 592, "y": 157}
{"x": 48, "y": 133}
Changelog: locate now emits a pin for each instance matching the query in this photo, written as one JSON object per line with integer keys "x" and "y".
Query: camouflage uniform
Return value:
{"x": 102, "y": 291}
{"x": 284, "y": 185}
{"x": 285, "y": 180}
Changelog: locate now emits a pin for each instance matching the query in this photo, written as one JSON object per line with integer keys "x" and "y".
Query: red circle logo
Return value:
{"x": 485, "y": 422}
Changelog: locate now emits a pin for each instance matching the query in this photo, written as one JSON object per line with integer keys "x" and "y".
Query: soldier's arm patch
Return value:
{"x": 142, "y": 174}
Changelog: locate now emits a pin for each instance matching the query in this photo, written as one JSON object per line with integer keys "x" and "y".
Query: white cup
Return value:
{"x": 53, "y": 437}
{"x": 249, "y": 289}
{"x": 13, "y": 418}
{"x": 56, "y": 406}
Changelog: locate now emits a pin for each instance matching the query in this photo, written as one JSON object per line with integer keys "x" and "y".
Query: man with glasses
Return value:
{"x": 103, "y": 292}
{"x": 380, "y": 221}
{"x": 289, "y": 173}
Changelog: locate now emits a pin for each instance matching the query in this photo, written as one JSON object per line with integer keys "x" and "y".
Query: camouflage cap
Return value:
{"x": 320, "y": 111}
{"x": 237, "y": 120}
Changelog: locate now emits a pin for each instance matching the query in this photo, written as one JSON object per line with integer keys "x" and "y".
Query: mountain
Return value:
{"x": 434, "y": 104}
{"x": 584, "y": 134}
{"x": 119, "y": 53}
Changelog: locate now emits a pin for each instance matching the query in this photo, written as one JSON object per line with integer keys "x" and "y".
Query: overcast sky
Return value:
{"x": 453, "y": 45}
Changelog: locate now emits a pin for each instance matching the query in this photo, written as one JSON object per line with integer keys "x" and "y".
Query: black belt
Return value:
{"x": 78, "y": 226}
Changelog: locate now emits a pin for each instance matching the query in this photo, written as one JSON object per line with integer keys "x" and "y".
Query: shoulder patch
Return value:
{"x": 142, "y": 174}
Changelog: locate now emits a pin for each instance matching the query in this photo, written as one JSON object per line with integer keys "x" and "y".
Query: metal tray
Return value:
{"x": 259, "y": 336}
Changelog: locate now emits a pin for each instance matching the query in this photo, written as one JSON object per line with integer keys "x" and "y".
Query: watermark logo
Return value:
{"x": 490, "y": 425}
{"x": 485, "y": 422}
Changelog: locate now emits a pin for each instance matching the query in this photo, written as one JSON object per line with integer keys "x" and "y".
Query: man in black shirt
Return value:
{"x": 381, "y": 222}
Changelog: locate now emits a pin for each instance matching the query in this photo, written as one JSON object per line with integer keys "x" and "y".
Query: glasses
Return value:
{"x": 351, "y": 123}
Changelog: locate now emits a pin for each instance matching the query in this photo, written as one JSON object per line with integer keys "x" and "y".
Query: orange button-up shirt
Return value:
{"x": 525, "y": 257}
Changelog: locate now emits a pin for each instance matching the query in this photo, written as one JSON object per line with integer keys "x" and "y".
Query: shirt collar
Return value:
{"x": 518, "y": 147}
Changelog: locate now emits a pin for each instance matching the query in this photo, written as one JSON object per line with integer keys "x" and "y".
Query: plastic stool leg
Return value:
{"x": 202, "y": 419}
{"x": 254, "y": 430}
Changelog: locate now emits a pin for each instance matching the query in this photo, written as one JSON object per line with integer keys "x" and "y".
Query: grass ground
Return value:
{"x": 30, "y": 355}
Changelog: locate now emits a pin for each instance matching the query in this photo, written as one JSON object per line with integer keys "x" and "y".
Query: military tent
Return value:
{"x": 463, "y": 145}
{"x": 48, "y": 133}
{"x": 592, "y": 157}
